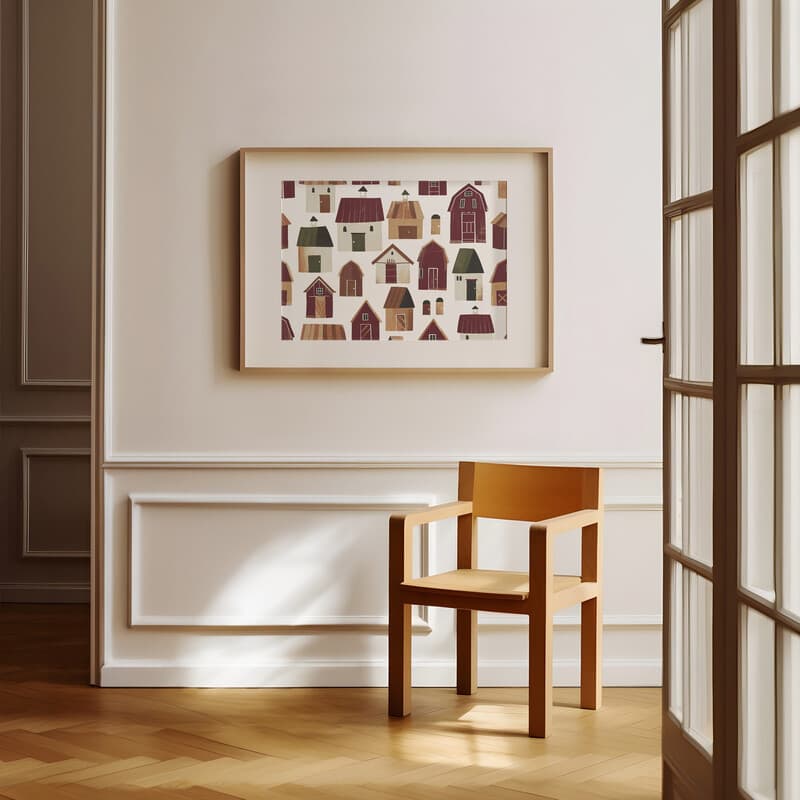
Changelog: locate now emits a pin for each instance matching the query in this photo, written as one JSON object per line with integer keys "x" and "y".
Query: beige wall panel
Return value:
{"x": 57, "y": 170}
{"x": 56, "y": 502}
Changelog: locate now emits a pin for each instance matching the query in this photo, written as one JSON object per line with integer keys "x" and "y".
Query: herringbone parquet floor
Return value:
{"x": 62, "y": 740}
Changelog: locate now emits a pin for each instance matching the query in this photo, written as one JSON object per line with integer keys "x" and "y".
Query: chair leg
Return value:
{"x": 399, "y": 659}
{"x": 540, "y": 673}
{"x": 466, "y": 651}
{"x": 591, "y": 653}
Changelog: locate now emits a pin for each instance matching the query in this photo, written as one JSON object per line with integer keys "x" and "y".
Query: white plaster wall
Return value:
{"x": 192, "y": 81}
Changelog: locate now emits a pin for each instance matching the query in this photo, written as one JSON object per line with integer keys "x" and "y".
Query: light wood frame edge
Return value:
{"x": 545, "y": 369}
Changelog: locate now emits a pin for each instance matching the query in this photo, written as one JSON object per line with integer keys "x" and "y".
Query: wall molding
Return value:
{"x": 420, "y": 622}
{"x": 367, "y": 672}
{"x": 210, "y": 461}
{"x": 28, "y": 453}
{"x": 44, "y": 592}
{"x": 25, "y": 378}
{"x": 16, "y": 419}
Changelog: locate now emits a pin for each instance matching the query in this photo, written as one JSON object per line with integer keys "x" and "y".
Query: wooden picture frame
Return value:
{"x": 516, "y": 334}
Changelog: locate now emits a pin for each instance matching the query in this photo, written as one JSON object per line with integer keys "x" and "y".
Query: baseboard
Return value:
{"x": 616, "y": 672}
{"x": 44, "y": 593}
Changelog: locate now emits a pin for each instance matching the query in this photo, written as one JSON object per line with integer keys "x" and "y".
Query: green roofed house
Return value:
{"x": 468, "y": 272}
{"x": 399, "y": 306}
{"x": 314, "y": 246}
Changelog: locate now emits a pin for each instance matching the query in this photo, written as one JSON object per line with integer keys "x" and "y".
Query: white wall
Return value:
{"x": 191, "y": 82}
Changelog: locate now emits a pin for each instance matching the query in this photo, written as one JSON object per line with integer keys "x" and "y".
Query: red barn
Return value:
{"x": 319, "y": 299}
{"x": 499, "y": 231}
{"x": 284, "y": 231}
{"x": 432, "y": 267}
{"x": 433, "y": 333}
{"x": 351, "y": 280}
{"x": 365, "y": 325}
{"x": 432, "y": 187}
{"x": 467, "y": 215}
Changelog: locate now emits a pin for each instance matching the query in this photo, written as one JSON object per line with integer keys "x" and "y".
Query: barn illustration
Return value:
{"x": 319, "y": 299}
{"x": 359, "y": 222}
{"x": 284, "y": 231}
{"x": 499, "y": 231}
{"x": 351, "y": 280}
{"x": 432, "y": 261}
{"x": 314, "y": 246}
{"x": 286, "y": 285}
{"x": 468, "y": 273}
{"x": 431, "y": 188}
{"x": 467, "y": 211}
{"x": 287, "y": 334}
{"x": 317, "y": 331}
{"x": 405, "y": 219}
{"x": 499, "y": 285}
{"x": 392, "y": 266}
{"x": 321, "y": 196}
{"x": 366, "y": 324}
{"x": 399, "y": 307}
{"x": 433, "y": 333}
{"x": 476, "y": 325}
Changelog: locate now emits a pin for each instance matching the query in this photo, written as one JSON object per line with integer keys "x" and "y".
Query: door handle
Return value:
{"x": 654, "y": 339}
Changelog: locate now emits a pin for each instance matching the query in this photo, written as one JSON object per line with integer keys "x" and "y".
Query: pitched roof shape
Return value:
{"x": 287, "y": 333}
{"x": 317, "y": 331}
{"x": 499, "y": 274}
{"x": 365, "y": 306}
{"x": 397, "y": 250}
{"x": 286, "y": 276}
{"x": 314, "y": 236}
{"x": 285, "y": 220}
{"x": 351, "y": 269}
{"x": 314, "y": 283}
{"x": 467, "y": 262}
{"x": 432, "y": 245}
{"x": 475, "y": 323}
{"x": 462, "y": 190}
{"x": 405, "y": 209}
{"x": 360, "y": 209}
{"x": 500, "y": 220}
{"x": 433, "y": 328}
{"x": 399, "y": 297}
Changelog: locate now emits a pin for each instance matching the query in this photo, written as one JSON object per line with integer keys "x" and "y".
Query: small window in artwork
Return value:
{"x": 344, "y": 228}
{"x": 313, "y": 190}
{"x": 365, "y": 317}
{"x": 329, "y": 190}
{"x": 432, "y": 337}
{"x": 474, "y": 203}
{"x": 319, "y": 290}
{"x": 371, "y": 228}
{"x": 461, "y": 203}
{"x": 468, "y": 193}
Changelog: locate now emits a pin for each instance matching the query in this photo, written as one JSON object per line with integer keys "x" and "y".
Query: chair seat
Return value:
{"x": 497, "y": 584}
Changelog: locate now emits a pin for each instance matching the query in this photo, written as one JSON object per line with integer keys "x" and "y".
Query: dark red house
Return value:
{"x": 432, "y": 267}
{"x": 351, "y": 280}
{"x": 287, "y": 189}
{"x": 366, "y": 324}
{"x": 319, "y": 299}
{"x": 467, "y": 215}
{"x": 432, "y": 333}
{"x": 284, "y": 231}
{"x": 287, "y": 334}
{"x": 432, "y": 187}
{"x": 499, "y": 231}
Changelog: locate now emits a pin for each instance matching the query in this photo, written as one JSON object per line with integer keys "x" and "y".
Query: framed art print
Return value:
{"x": 396, "y": 259}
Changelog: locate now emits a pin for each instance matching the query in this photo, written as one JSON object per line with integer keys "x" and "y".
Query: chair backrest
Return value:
{"x": 527, "y": 493}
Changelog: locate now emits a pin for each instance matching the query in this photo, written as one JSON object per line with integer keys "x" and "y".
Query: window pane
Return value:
{"x": 790, "y": 241}
{"x": 691, "y": 296}
{"x": 789, "y": 722}
{"x": 791, "y": 501}
{"x": 677, "y": 432}
{"x": 690, "y": 80}
{"x": 757, "y": 764}
{"x": 758, "y": 493}
{"x": 757, "y": 257}
{"x": 676, "y": 641}
{"x": 755, "y": 63}
{"x": 699, "y": 480}
{"x": 789, "y": 55}
{"x": 700, "y": 722}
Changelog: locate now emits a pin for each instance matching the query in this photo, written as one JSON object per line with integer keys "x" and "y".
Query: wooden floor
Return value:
{"x": 62, "y": 740}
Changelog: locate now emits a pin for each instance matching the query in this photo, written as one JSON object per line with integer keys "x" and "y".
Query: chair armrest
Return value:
{"x": 459, "y": 508}
{"x": 567, "y": 522}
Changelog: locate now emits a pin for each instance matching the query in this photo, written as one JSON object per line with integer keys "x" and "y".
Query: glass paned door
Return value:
{"x": 688, "y": 398}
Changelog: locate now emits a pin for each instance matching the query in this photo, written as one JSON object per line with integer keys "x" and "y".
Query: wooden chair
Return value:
{"x": 555, "y": 500}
